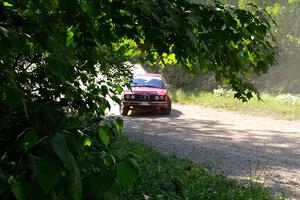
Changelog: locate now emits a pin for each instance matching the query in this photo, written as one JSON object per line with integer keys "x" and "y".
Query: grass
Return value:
{"x": 269, "y": 106}
{"x": 169, "y": 177}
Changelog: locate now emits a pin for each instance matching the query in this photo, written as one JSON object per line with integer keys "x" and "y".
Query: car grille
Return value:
{"x": 145, "y": 98}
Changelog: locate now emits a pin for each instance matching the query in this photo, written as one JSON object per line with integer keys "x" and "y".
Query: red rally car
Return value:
{"x": 148, "y": 92}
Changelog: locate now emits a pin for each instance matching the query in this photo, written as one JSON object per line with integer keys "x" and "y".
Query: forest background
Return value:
{"x": 283, "y": 78}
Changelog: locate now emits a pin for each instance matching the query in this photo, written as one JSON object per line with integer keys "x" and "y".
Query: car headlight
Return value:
{"x": 156, "y": 98}
{"x": 162, "y": 98}
{"x": 127, "y": 96}
{"x": 132, "y": 97}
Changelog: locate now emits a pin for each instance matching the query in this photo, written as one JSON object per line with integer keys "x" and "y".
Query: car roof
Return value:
{"x": 147, "y": 74}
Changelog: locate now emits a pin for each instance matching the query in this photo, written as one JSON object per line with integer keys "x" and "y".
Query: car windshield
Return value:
{"x": 147, "y": 81}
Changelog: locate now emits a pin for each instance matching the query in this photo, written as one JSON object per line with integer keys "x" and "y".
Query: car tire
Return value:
{"x": 167, "y": 110}
{"x": 123, "y": 111}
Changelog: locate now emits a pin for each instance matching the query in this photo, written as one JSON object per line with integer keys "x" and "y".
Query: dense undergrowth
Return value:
{"x": 169, "y": 177}
{"x": 279, "y": 107}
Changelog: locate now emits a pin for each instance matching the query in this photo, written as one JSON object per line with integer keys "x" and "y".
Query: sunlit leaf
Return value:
{"x": 119, "y": 89}
{"x": 7, "y": 4}
{"x": 70, "y": 37}
{"x": 87, "y": 142}
{"x": 104, "y": 135}
{"x": 119, "y": 124}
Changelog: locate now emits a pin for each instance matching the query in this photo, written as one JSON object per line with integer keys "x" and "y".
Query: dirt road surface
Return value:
{"x": 237, "y": 145}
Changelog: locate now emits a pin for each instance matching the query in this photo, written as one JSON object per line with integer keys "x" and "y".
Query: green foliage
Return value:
{"x": 284, "y": 78}
{"x": 127, "y": 172}
{"x": 61, "y": 60}
{"x": 216, "y": 38}
{"x": 104, "y": 135}
{"x": 60, "y": 147}
{"x": 48, "y": 173}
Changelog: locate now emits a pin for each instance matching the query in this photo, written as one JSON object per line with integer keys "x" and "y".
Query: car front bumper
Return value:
{"x": 144, "y": 105}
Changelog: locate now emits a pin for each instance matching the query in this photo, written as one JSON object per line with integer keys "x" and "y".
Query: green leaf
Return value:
{"x": 12, "y": 95}
{"x": 119, "y": 124}
{"x": 60, "y": 147}
{"x": 114, "y": 191}
{"x": 109, "y": 160}
{"x": 59, "y": 68}
{"x": 96, "y": 184}
{"x": 106, "y": 183}
{"x": 18, "y": 189}
{"x": 119, "y": 89}
{"x": 6, "y": 4}
{"x": 116, "y": 99}
{"x": 3, "y": 181}
{"x": 104, "y": 90}
{"x": 103, "y": 181}
{"x": 48, "y": 172}
{"x": 29, "y": 140}
{"x": 70, "y": 37}
{"x": 87, "y": 142}
{"x": 75, "y": 184}
{"x": 104, "y": 135}
{"x": 127, "y": 172}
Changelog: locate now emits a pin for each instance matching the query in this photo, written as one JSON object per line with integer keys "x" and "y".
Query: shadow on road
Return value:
{"x": 154, "y": 114}
{"x": 224, "y": 148}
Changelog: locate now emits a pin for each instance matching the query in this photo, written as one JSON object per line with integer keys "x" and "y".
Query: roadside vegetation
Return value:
{"x": 170, "y": 177}
{"x": 286, "y": 106}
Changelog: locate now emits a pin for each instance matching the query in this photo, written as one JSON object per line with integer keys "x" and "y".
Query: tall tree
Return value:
{"x": 285, "y": 77}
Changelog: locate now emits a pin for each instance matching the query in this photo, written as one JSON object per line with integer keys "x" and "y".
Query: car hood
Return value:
{"x": 146, "y": 91}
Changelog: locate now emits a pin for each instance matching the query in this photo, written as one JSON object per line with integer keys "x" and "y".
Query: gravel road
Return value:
{"x": 237, "y": 145}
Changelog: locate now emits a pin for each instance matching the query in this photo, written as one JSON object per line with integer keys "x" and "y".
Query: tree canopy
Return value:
{"x": 61, "y": 59}
{"x": 284, "y": 76}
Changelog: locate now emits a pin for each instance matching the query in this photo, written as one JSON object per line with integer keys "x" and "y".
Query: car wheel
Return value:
{"x": 167, "y": 111}
{"x": 123, "y": 110}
